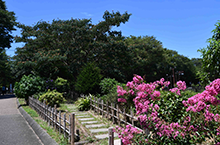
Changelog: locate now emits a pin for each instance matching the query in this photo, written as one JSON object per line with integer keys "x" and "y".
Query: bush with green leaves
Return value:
{"x": 83, "y": 104}
{"x": 108, "y": 85}
{"x": 52, "y": 97}
{"x": 61, "y": 85}
{"x": 88, "y": 79}
{"x": 28, "y": 86}
{"x": 171, "y": 106}
{"x": 109, "y": 89}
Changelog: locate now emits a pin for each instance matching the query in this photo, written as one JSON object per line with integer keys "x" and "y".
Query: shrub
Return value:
{"x": 83, "y": 104}
{"x": 61, "y": 85}
{"x": 52, "y": 97}
{"x": 88, "y": 79}
{"x": 108, "y": 85}
{"x": 28, "y": 86}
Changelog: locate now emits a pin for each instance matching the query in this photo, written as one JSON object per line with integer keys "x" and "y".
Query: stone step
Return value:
{"x": 103, "y": 136}
{"x": 98, "y": 130}
{"x": 85, "y": 119}
{"x": 89, "y": 122}
{"x": 95, "y": 125}
{"x": 83, "y": 116}
{"x": 81, "y": 113}
{"x": 117, "y": 142}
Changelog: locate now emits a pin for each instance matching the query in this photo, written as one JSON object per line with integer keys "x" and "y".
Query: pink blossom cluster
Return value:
{"x": 147, "y": 111}
{"x": 126, "y": 134}
{"x": 122, "y": 100}
{"x": 120, "y": 91}
{"x": 180, "y": 86}
{"x": 198, "y": 102}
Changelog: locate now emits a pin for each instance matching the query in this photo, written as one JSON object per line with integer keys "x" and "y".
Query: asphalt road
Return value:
{"x": 14, "y": 130}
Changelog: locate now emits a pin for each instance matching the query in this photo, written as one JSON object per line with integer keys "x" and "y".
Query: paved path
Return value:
{"x": 14, "y": 130}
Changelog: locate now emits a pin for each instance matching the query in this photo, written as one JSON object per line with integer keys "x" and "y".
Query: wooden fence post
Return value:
{"x": 113, "y": 115}
{"x": 132, "y": 116}
{"x": 111, "y": 136}
{"x": 107, "y": 109}
{"x": 119, "y": 121}
{"x": 125, "y": 118}
{"x": 49, "y": 114}
{"x": 72, "y": 128}
{"x": 102, "y": 108}
{"x": 44, "y": 110}
{"x": 52, "y": 117}
{"x": 64, "y": 124}
{"x": 90, "y": 100}
{"x": 55, "y": 120}
{"x": 59, "y": 122}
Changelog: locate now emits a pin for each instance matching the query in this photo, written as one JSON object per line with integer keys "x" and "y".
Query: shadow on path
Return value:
{"x": 7, "y": 96}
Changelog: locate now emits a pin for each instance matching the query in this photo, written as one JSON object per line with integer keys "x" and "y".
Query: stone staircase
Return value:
{"x": 96, "y": 128}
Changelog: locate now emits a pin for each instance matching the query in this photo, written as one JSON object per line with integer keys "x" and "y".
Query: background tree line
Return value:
{"x": 63, "y": 48}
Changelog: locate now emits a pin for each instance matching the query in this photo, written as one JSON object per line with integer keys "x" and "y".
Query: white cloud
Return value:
{"x": 87, "y": 14}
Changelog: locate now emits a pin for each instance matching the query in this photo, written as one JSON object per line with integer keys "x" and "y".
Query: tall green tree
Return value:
{"x": 7, "y": 23}
{"x": 147, "y": 57}
{"x": 211, "y": 56}
{"x": 62, "y": 47}
{"x": 180, "y": 63}
{"x": 5, "y": 69}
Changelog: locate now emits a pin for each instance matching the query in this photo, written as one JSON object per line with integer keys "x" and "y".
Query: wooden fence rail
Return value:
{"x": 54, "y": 118}
{"x": 113, "y": 111}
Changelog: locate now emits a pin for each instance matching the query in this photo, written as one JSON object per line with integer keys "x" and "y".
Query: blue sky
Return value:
{"x": 181, "y": 25}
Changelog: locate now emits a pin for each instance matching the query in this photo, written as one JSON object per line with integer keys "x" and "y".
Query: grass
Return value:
{"x": 69, "y": 108}
{"x": 54, "y": 134}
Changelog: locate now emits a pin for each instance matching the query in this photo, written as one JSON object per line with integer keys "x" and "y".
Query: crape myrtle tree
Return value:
{"x": 211, "y": 57}
{"x": 62, "y": 47}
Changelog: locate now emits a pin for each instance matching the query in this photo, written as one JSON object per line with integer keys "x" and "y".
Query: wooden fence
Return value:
{"x": 54, "y": 118}
{"x": 114, "y": 112}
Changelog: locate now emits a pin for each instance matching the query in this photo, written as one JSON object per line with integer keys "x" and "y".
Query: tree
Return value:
{"x": 64, "y": 46}
{"x": 5, "y": 69}
{"x": 211, "y": 55}
{"x": 147, "y": 55}
{"x": 180, "y": 63}
{"x": 7, "y": 23}
{"x": 89, "y": 79}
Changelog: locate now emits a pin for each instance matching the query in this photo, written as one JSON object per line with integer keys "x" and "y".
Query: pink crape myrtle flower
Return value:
{"x": 137, "y": 79}
{"x": 120, "y": 91}
{"x": 122, "y": 100}
{"x": 181, "y": 85}
{"x": 175, "y": 90}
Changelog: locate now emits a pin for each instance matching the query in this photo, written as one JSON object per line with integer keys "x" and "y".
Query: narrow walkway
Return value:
{"x": 14, "y": 130}
{"x": 96, "y": 128}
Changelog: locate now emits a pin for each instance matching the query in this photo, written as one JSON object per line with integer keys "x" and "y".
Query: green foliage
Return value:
{"x": 171, "y": 106}
{"x": 108, "y": 85}
{"x": 70, "y": 44}
{"x": 61, "y": 84}
{"x": 5, "y": 69}
{"x": 109, "y": 90}
{"x": 7, "y": 21}
{"x": 28, "y": 86}
{"x": 147, "y": 57}
{"x": 88, "y": 79}
{"x": 83, "y": 104}
{"x": 52, "y": 97}
{"x": 211, "y": 55}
